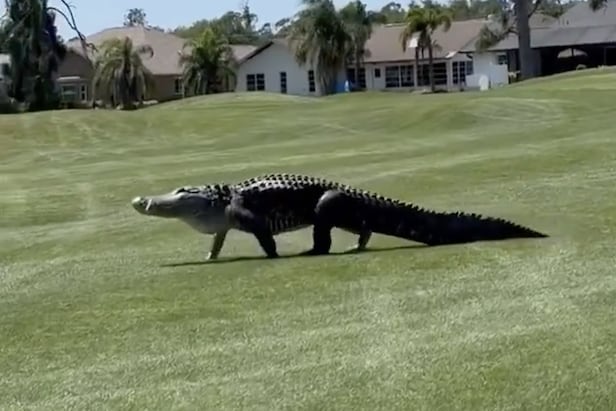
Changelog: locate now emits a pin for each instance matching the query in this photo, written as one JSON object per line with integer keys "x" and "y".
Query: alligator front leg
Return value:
{"x": 217, "y": 243}
{"x": 249, "y": 222}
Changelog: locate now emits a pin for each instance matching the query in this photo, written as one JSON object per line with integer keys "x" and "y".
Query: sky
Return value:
{"x": 91, "y": 17}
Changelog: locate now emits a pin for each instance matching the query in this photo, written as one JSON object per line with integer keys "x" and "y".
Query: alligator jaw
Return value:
{"x": 143, "y": 205}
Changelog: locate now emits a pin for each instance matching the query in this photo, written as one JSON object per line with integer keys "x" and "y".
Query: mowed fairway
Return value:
{"x": 102, "y": 308}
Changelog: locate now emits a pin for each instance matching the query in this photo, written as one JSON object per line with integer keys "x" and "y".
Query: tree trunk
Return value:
{"x": 527, "y": 58}
{"x": 357, "y": 61}
{"x": 417, "y": 67}
{"x": 431, "y": 66}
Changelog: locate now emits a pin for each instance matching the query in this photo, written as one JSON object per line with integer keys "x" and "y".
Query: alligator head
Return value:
{"x": 203, "y": 207}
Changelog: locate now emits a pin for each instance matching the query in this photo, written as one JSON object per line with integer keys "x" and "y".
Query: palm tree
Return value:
{"x": 210, "y": 60}
{"x": 320, "y": 39}
{"x": 425, "y": 21}
{"x": 119, "y": 72}
{"x": 358, "y": 22}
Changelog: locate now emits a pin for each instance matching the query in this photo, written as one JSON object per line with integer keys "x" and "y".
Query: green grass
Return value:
{"x": 102, "y": 308}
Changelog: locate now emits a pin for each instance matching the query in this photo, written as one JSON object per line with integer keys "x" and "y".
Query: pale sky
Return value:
{"x": 93, "y": 16}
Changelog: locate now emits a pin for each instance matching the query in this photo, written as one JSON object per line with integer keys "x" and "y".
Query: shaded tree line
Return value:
{"x": 325, "y": 37}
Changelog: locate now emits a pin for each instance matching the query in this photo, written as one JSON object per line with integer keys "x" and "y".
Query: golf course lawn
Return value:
{"x": 103, "y": 308}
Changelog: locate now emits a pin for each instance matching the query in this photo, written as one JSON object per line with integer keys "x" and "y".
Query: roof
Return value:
{"x": 581, "y": 15}
{"x": 384, "y": 44}
{"x": 258, "y": 50}
{"x": 572, "y": 36}
{"x": 166, "y": 46}
{"x": 578, "y": 26}
{"x": 537, "y": 23}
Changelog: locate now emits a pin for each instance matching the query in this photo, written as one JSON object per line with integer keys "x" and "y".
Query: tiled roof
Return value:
{"x": 166, "y": 46}
{"x": 385, "y": 45}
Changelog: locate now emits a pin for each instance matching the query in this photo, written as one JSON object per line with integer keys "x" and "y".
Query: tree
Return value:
{"x": 237, "y": 27}
{"x": 424, "y": 21}
{"x": 119, "y": 72}
{"x": 393, "y": 12}
{"x": 30, "y": 37}
{"x": 358, "y": 22}
{"x": 135, "y": 17}
{"x": 210, "y": 60}
{"x": 597, "y": 4}
{"x": 321, "y": 40}
{"x": 513, "y": 18}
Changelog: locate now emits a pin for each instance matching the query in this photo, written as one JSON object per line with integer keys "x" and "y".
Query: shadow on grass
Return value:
{"x": 222, "y": 260}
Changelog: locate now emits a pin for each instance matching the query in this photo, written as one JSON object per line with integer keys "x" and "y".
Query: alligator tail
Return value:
{"x": 411, "y": 222}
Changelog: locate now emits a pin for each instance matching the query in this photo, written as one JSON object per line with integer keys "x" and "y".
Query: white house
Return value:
{"x": 390, "y": 65}
{"x": 387, "y": 64}
{"x": 273, "y": 68}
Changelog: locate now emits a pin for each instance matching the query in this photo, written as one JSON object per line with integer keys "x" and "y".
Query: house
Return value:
{"x": 76, "y": 71}
{"x": 497, "y": 61}
{"x": 390, "y": 66}
{"x": 387, "y": 64}
{"x": 273, "y": 68}
{"x": 578, "y": 37}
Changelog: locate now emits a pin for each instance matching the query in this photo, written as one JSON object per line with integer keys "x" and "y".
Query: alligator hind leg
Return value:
{"x": 362, "y": 241}
{"x": 332, "y": 210}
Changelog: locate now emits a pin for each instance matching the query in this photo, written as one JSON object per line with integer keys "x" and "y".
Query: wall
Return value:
{"x": 487, "y": 64}
{"x": 374, "y": 82}
{"x": 270, "y": 62}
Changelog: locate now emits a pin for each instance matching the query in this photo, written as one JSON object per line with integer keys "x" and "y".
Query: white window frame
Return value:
{"x": 83, "y": 92}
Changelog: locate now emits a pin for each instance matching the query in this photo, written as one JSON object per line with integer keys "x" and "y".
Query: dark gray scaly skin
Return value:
{"x": 271, "y": 204}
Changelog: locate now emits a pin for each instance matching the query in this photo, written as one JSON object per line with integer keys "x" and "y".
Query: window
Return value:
{"x": 399, "y": 76}
{"x": 311, "y": 84}
{"x": 502, "y": 59}
{"x": 362, "y": 77}
{"x": 260, "y": 82}
{"x": 283, "y": 82}
{"x": 377, "y": 72}
{"x": 69, "y": 92}
{"x": 83, "y": 92}
{"x": 406, "y": 76}
{"x": 177, "y": 85}
{"x": 440, "y": 74}
{"x": 423, "y": 75}
{"x": 255, "y": 82}
{"x": 460, "y": 70}
{"x": 251, "y": 82}
{"x": 392, "y": 76}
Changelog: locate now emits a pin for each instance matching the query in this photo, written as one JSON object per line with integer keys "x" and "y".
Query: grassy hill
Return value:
{"x": 104, "y": 308}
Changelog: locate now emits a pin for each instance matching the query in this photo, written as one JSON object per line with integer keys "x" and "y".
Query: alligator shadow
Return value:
{"x": 223, "y": 260}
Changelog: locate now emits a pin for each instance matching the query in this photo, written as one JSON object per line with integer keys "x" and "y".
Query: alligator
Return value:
{"x": 272, "y": 204}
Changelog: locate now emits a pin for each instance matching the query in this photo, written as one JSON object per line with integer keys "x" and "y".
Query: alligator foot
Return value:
{"x": 355, "y": 249}
{"x": 313, "y": 251}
